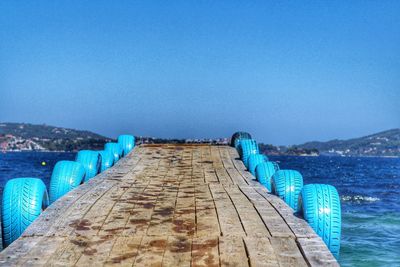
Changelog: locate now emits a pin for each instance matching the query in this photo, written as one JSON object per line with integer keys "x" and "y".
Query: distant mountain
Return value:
{"x": 26, "y": 137}
{"x": 385, "y": 143}
{"x": 287, "y": 150}
{"x": 32, "y": 137}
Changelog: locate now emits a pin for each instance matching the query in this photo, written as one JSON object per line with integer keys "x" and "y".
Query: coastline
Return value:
{"x": 38, "y": 151}
{"x": 333, "y": 156}
{"x": 273, "y": 155}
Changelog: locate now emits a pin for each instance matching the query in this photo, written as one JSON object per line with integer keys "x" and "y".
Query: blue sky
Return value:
{"x": 286, "y": 71}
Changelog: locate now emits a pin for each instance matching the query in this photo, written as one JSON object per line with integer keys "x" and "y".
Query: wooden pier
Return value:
{"x": 170, "y": 205}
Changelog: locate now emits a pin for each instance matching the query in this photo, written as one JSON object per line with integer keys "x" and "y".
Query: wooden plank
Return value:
{"x": 316, "y": 252}
{"x": 151, "y": 251}
{"x": 178, "y": 251}
{"x": 39, "y": 254}
{"x": 116, "y": 220}
{"x": 219, "y": 168}
{"x": 206, "y": 215}
{"x": 71, "y": 219}
{"x": 93, "y": 220}
{"x": 287, "y": 252}
{"x": 184, "y": 219}
{"x": 239, "y": 165}
{"x": 16, "y": 251}
{"x": 205, "y": 252}
{"x": 59, "y": 208}
{"x": 124, "y": 251}
{"x": 261, "y": 252}
{"x": 140, "y": 216}
{"x": 228, "y": 218}
{"x": 298, "y": 226}
{"x": 161, "y": 220}
{"x": 68, "y": 252}
{"x": 272, "y": 219}
{"x": 232, "y": 251}
{"x": 209, "y": 171}
{"x": 97, "y": 252}
{"x": 250, "y": 219}
{"x": 236, "y": 177}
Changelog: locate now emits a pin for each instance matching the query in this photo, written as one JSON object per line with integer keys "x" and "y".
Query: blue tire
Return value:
{"x": 254, "y": 160}
{"x": 239, "y": 150}
{"x": 287, "y": 184}
{"x": 264, "y": 173}
{"x": 127, "y": 142}
{"x": 120, "y": 151}
{"x": 236, "y": 137}
{"x": 114, "y": 148}
{"x": 23, "y": 201}
{"x": 248, "y": 147}
{"x": 320, "y": 205}
{"x": 66, "y": 176}
{"x": 91, "y": 161}
{"x": 107, "y": 160}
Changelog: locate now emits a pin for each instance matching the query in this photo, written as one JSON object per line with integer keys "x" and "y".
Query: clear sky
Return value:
{"x": 286, "y": 71}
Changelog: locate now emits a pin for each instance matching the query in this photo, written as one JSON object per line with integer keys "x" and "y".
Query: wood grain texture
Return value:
{"x": 170, "y": 205}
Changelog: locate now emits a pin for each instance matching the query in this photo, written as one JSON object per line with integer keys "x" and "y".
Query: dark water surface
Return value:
{"x": 369, "y": 189}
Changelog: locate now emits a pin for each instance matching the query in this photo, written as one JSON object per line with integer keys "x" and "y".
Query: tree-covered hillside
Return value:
{"x": 24, "y": 136}
{"x": 385, "y": 143}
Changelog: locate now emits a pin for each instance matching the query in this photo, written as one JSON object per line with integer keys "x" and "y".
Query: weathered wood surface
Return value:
{"x": 170, "y": 205}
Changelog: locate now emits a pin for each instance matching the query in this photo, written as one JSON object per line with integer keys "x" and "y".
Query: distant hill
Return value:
{"x": 272, "y": 150}
{"x": 26, "y": 137}
{"x": 31, "y": 137}
{"x": 385, "y": 143}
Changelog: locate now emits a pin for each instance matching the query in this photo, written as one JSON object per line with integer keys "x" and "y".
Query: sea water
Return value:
{"x": 370, "y": 196}
{"x": 369, "y": 190}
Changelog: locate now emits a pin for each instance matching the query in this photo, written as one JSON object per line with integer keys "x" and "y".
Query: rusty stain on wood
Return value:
{"x": 170, "y": 205}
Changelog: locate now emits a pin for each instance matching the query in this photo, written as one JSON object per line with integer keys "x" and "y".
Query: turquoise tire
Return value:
{"x": 66, "y": 176}
{"x": 127, "y": 143}
{"x": 320, "y": 206}
{"x": 254, "y": 160}
{"x": 239, "y": 150}
{"x": 264, "y": 173}
{"x": 248, "y": 147}
{"x": 91, "y": 161}
{"x": 23, "y": 201}
{"x": 287, "y": 184}
{"x": 107, "y": 160}
{"x": 236, "y": 137}
{"x": 114, "y": 148}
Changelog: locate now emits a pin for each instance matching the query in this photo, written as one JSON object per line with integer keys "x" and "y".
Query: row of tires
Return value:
{"x": 318, "y": 204}
{"x": 24, "y": 199}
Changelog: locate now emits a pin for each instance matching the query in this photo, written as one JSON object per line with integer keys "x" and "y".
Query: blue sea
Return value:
{"x": 369, "y": 189}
